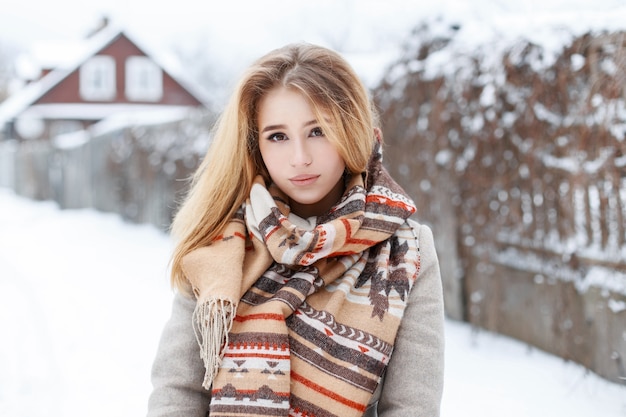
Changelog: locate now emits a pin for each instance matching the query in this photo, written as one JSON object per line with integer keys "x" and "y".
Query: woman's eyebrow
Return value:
{"x": 277, "y": 127}
{"x": 272, "y": 127}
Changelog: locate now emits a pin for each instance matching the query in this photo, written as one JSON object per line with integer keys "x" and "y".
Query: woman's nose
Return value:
{"x": 300, "y": 156}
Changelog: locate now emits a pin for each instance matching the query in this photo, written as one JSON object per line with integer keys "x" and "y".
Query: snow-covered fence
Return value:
{"x": 519, "y": 164}
{"x": 142, "y": 171}
{"x": 137, "y": 168}
{"x": 7, "y": 163}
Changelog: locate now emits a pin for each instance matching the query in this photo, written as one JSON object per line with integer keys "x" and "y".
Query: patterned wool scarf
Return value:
{"x": 296, "y": 319}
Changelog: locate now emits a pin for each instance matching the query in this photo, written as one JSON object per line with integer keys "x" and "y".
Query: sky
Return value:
{"x": 84, "y": 297}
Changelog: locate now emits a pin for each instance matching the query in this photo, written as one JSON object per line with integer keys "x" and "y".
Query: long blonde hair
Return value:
{"x": 223, "y": 180}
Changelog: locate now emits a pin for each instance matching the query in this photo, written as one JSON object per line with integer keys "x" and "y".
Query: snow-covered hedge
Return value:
{"x": 519, "y": 163}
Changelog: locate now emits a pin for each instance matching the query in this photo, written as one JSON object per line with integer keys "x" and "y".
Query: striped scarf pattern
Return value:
{"x": 306, "y": 325}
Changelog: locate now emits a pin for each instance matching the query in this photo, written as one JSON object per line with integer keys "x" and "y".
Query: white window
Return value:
{"x": 144, "y": 79}
{"x": 97, "y": 78}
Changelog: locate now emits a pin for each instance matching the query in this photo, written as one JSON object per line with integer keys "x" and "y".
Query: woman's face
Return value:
{"x": 300, "y": 159}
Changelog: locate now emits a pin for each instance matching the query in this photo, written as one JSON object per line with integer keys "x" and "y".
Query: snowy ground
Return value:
{"x": 83, "y": 297}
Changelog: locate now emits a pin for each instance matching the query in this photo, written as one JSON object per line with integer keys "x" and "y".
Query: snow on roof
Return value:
{"x": 141, "y": 116}
{"x": 56, "y": 54}
{"x": 21, "y": 100}
{"x": 94, "y": 111}
{"x": 70, "y": 59}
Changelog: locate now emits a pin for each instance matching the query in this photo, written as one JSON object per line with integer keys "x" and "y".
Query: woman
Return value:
{"x": 304, "y": 288}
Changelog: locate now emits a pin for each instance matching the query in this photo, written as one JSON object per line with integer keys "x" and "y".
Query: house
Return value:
{"x": 111, "y": 74}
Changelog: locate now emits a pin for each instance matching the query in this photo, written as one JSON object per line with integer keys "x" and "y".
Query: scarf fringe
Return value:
{"x": 213, "y": 320}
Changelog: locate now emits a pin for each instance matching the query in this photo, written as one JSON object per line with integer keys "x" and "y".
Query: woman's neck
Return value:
{"x": 321, "y": 207}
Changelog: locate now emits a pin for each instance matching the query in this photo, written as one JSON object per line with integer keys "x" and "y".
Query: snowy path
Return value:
{"x": 83, "y": 297}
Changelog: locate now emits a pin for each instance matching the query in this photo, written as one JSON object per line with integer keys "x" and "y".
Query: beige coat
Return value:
{"x": 413, "y": 382}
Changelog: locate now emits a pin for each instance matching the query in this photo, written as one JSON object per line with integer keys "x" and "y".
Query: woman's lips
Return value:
{"x": 304, "y": 179}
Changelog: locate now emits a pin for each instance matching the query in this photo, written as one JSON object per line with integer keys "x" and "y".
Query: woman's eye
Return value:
{"x": 277, "y": 137}
{"x": 317, "y": 132}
